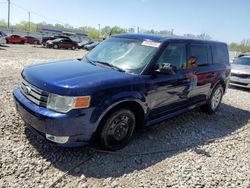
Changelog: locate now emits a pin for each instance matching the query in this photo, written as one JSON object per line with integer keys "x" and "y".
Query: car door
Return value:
{"x": 67, "y": 43}
{"x": 13, "y": 38}
{"x": 166, "y": 92}
{"x": 61, "y": 43}
{"x": 201, "y": 70}
{"x": 17, "y": 39}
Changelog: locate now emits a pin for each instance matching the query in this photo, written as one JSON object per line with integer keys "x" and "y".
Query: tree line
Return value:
{"x": 94, "y": 33}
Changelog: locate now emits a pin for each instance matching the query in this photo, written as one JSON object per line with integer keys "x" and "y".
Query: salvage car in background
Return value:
{"x": 2, "y": 38}
{"x": 45, "y": 39}
{"x": 91, "y": 45}
{"x": 244, "y": 54}
{"x": 62, "y": 43}
{"x": 240, "y": 75}
{"x": 15, "y": 39}
{"x": 32, "y": 40}
{"x": 83, "y": 43}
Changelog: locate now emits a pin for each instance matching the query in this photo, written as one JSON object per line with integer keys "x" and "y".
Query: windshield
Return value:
{"x": 57, "y": 40}
{"x": 127, "y": 54}
{"x": 242, "y": 61}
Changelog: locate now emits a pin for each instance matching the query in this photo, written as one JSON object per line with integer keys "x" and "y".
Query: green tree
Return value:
{"x": 24, "y": 26}
{"x": 105, "y": 31}
{"x": 91, "y": 31}
{"x": 244, "y": 46}
{"x": 204, "y": 36}
{"x": 149, "y": 31}
{"x": 131, "y": 30}
{"x": 166, "y": 32}
{"x": 118, "y": 30}
{"x": 68, "y": 26}
{"x": 3, "y": 24}
{"x": 59, "y": 26}
{"x": 189, "y": 35}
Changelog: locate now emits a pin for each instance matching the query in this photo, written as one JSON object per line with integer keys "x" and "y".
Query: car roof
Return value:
{"x": 161, "y": 38}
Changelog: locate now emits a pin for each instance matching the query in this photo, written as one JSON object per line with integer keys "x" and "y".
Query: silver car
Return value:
{"x": 240, "y": 72}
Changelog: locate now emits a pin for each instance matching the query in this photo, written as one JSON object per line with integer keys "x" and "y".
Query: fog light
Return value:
{"x": 57, "y": 139}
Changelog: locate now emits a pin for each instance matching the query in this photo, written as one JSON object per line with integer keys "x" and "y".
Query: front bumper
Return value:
{"x": 240, "y": 82}
{"x": 75, "y": 124}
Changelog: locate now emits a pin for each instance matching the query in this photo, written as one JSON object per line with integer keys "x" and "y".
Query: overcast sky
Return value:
{"x": 224, "y": 20}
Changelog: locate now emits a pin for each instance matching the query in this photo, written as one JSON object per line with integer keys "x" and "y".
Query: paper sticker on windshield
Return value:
{"x": 151, "y": 44}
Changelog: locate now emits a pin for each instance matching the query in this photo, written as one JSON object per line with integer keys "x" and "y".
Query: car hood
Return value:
{"x": 240, "y": 69}
{"x": 73, "y": 77}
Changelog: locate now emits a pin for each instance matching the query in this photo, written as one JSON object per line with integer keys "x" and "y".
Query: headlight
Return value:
{"x": 65, "y": 104}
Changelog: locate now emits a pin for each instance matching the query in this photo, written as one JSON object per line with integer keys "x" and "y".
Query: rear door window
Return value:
{"x": 201, "y": 52}
{"x": 220, "y": 53}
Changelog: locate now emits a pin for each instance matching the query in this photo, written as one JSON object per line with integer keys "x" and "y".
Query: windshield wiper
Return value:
{"x": 110, "y": 65}
{"x": 90, "y": 61}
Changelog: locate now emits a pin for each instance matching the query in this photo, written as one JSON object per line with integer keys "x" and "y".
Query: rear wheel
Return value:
{"x": 55, "y": 46}
{"x": 214, "y": 100}
{"x": 117, "y": 130}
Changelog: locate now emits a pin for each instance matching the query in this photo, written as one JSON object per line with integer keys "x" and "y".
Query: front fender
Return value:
{"x": 110, "y": 102}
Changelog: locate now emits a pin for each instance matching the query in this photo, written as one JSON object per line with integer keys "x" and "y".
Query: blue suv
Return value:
{"x": 127, "y": 81}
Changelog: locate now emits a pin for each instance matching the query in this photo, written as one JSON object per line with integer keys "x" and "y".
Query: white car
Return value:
{"x": 2, "y": 38}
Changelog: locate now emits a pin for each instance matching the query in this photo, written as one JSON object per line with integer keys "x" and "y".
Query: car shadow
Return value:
{"x": 149, "y": 146}
{"x": 239, "y": 88}
{"x": 2, "y": 47}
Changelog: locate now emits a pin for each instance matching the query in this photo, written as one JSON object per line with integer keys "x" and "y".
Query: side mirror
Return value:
{"x": 166, "y": 68}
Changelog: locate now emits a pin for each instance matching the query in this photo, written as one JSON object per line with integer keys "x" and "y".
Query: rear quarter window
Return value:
{"x": 220, "y": 54}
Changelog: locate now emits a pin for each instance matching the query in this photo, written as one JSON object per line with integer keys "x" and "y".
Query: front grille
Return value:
{"x": 240, "y": 75}
{"x": 34, "y": 94}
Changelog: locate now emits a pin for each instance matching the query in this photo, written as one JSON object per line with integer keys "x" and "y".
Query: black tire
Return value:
{"x": 214, "y": 101}
{"x": 73, "y": 47}
{"x": 117, "y": 130}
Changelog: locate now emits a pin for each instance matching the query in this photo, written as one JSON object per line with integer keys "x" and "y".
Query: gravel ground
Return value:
{"x": 193, "y": 150}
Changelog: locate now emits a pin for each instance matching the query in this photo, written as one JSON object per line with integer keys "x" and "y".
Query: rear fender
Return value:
{"x": 220, "y": 79}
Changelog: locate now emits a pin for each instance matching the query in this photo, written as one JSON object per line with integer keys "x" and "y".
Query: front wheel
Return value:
{"x": 73, "y": 47}
{"x": 117, "y": 130}
{"x": 214, "y": 100}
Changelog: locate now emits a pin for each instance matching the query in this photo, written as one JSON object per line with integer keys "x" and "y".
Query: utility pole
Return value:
{"x": 29, "y": 20}
{"x": 8, "y": 14}
{"x": 138, "y": 29}
{"x": 172, "y": 31}
{"x": 99, "y": 26}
